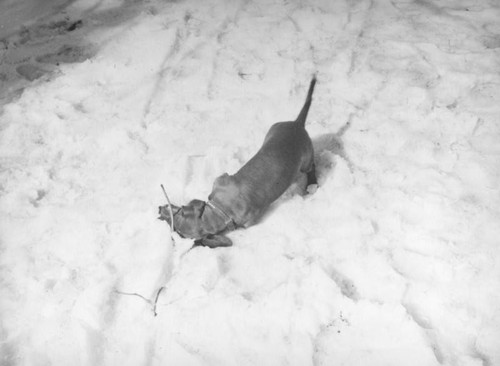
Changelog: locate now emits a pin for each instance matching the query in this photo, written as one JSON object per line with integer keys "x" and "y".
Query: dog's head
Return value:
{"x": 187, "y": 219}
{"x": 196, "y": 221}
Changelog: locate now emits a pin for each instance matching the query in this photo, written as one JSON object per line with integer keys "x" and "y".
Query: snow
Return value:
{"x": 393, "y": 260}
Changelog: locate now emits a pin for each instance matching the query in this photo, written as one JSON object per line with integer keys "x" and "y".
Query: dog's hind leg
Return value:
{"x": 311, "y": 176}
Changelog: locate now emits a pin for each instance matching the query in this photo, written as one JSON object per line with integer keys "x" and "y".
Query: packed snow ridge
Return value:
{"x": 393, "y": 260}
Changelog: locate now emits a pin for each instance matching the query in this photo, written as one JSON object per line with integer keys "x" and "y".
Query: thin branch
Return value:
{"x": 154, "y": 303}
{"x": 150, "y": 302}
{"x": 133, "y": 294}
{"x": 156, "y": 300}
{"x": 169, "y": 209}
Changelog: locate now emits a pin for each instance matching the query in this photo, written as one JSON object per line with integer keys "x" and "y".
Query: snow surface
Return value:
{"x": 394, "y": 260}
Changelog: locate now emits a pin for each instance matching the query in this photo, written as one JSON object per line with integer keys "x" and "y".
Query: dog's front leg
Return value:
{"x": 213, "y": 241}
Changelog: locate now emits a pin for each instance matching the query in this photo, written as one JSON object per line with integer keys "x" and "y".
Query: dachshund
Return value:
{"x": 239, "y": 200}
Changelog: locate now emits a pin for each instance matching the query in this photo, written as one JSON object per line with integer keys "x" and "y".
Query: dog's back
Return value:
{"x": 286, "y": 153}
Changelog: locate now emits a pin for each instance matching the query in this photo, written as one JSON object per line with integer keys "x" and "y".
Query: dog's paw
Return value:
{"x": 312, "y": 188}
{"x": 213, "y": 241}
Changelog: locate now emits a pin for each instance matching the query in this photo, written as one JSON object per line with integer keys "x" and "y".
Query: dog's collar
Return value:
{"x": 229, "y": 222}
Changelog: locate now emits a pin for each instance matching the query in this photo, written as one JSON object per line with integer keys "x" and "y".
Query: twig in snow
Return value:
{"x": 132, "y": 294}
{"x": 150, "y": 302}
{"x": 156, "y": 300}
{"x": 170, "y": 210}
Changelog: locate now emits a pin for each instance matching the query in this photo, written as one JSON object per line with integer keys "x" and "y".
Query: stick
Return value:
{"x": 150, "y": 302}
{"x": 133, "y": 294}
{"x": 156, "y": 300}
{"x": 169, "y": 209}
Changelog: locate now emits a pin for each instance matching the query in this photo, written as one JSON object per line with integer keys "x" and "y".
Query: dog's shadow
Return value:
{"x": 326, "y": 146}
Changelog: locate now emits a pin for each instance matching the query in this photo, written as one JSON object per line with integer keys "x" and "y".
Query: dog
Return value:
{"x": 239, "y": 200}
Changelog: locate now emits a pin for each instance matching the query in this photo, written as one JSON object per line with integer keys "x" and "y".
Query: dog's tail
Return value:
{"x": 301, "y": 119}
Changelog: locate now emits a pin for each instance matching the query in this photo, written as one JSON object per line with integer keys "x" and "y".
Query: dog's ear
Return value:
{"x": 213, "y": 241}
{"x": 198, "y": 207}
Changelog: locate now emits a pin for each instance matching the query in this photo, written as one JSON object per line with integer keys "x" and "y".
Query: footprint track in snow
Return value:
{"x": 345, "y": 284}
{"x": 33, "y": 51}
{"x": 38, "y": 48}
